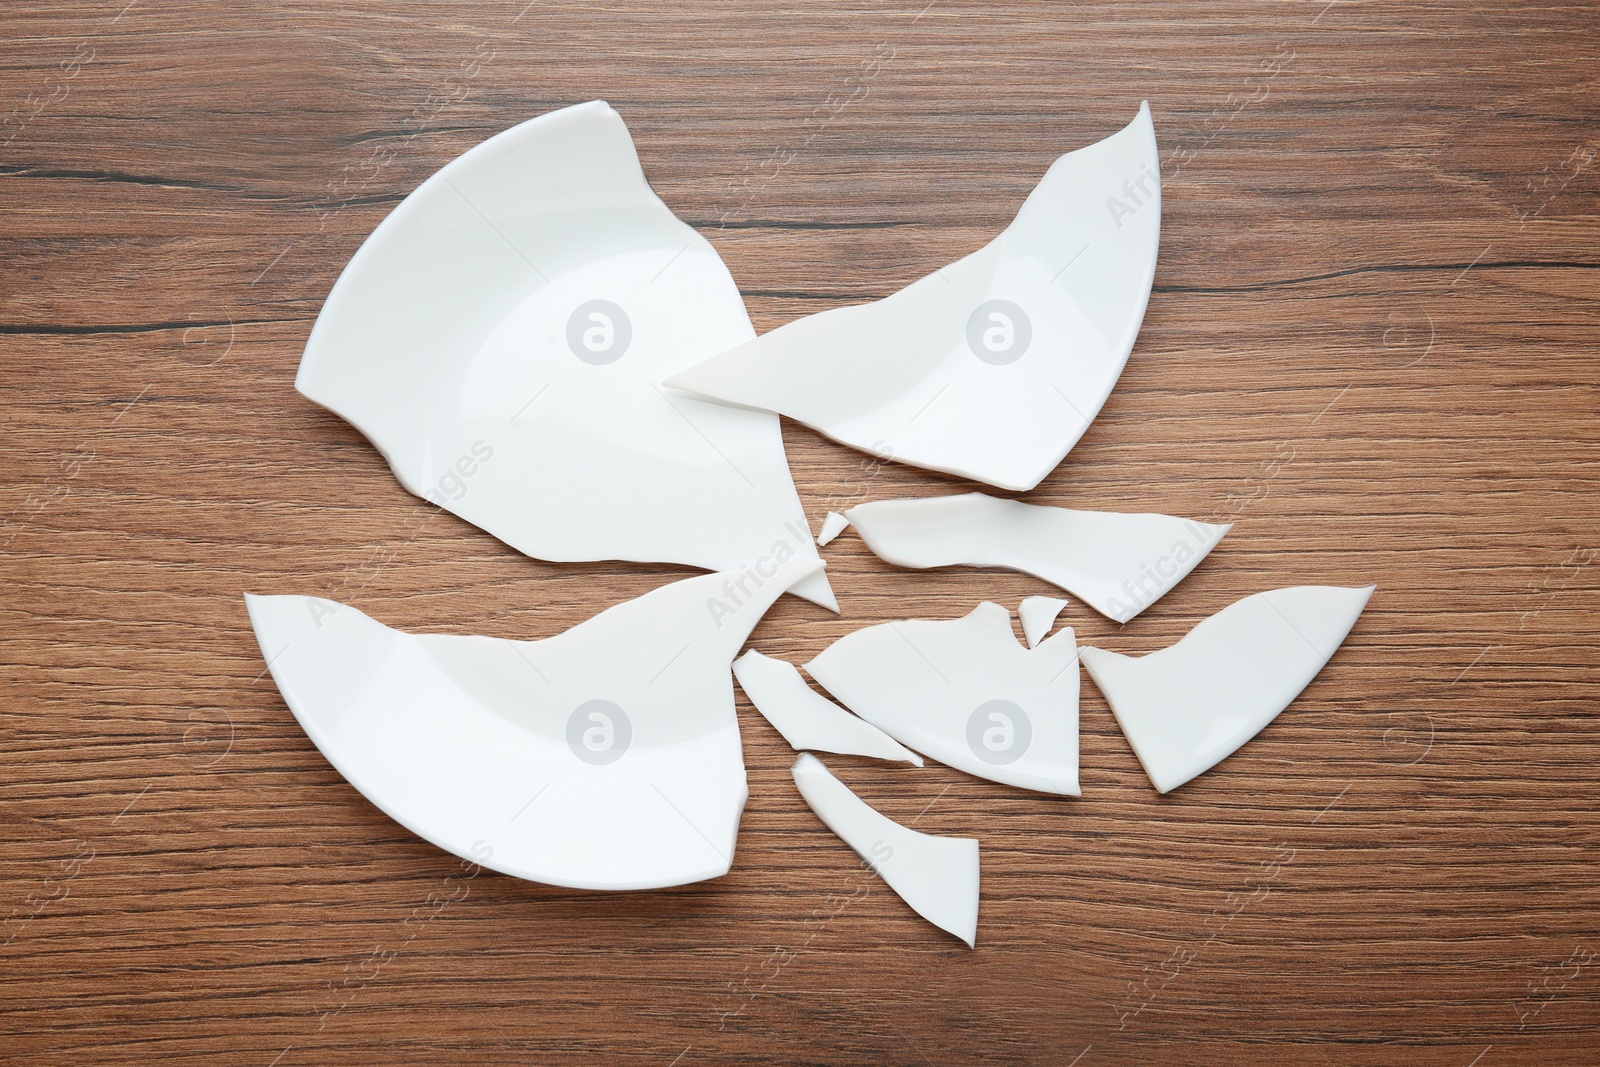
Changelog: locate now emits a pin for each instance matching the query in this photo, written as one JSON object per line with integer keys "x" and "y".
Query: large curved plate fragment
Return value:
{"x": 500, "y": 338}
{"x": 606, "y": 757}
{"x": 992, "y": 367}
{"x": 1118, "y": 564}
{"x": 1189, "y": 706}
{"x": 966, "y": 692}
{"x": 937, "y": 876}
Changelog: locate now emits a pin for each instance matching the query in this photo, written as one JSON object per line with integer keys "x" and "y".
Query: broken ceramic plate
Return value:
{"x": 1189, "y": 706}
{"x": 1119, "y": 564}
{"x": 806, "y": 718}
{"x": 992, "y": 367}
{"x": 1038, "y": 614}
{"x": 937, "y": 876}
{"x": 966, "y": 692}
{"x": 500, "y": 338}
{"x": 833, "y": 525}
{"x": 606, "y": 757}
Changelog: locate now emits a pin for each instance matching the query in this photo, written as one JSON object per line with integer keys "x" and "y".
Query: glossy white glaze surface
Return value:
{"x": 937, "y": 876}
{"x": 967, "y": 693}
{"x": 605, "y": 757}
{"x": 991, "y": 367}
{"x": 501, "y": 338}
{"x": 1038, "y": 615}
{"x": 806, "y": 718}
{"x": 1191, "y": 705}
{"x": 1118, "y": 564}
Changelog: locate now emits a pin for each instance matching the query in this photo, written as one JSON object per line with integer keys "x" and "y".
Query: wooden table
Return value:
{"x": 1373, "y": 345}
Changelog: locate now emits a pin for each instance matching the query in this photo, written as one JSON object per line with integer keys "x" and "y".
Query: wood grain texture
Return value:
{"x": 1374, "y": 344}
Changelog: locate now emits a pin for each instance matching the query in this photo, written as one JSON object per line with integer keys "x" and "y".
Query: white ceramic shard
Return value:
{"x": 1038, "y": 614}
{"x": 1119, "y": 564}
{"x": 992, "y": 367}
{"x": 937, "y": 876}
{"x": 606, "y": 757}
{"x": 966, "y": 692}
{"x": 501, "y": 338}
{"x": 805, "y": 718}
{"x": 832, "y": 526}
{"x": 1189, "y": 706}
